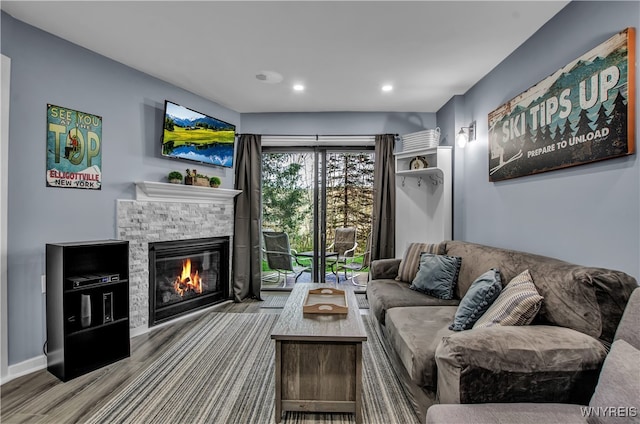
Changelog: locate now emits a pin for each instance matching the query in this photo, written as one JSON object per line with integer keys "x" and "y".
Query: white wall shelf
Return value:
{"x": 434, "y": 175}
{"x": 167, "y": 192}
{"x": 419, "y": 172}
{"x": 412, "y": 153}
{"x": 434, "y": 156}
{"x": 424, "y": 197}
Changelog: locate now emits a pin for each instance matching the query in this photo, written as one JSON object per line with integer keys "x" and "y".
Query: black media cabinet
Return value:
{"x": 87, "y": 306}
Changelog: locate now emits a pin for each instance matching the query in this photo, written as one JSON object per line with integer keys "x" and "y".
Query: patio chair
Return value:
{"x": 279, "y": 255}
{"x": 344, "y": 244}
{"x": 357, "y": 263}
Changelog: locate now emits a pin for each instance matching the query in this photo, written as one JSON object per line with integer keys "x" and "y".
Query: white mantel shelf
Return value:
{"x": 154, "y": 191}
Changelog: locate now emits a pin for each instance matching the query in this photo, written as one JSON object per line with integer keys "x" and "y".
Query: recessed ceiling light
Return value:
{"x": 387, "y": 87}
{"x": 298, "y": 87}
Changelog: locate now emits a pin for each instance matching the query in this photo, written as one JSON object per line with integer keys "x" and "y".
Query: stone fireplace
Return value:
{"x": 166, "y": 213}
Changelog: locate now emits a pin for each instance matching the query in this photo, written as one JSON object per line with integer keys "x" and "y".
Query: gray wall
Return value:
{"x": 45, "y": 70}
{"x": 586, "y": 214}
{"x": 336, "y": 123}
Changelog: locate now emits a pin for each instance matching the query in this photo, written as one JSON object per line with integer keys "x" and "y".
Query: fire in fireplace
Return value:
{"x": 186, "y": 275}
{"x": 187, "y": 282}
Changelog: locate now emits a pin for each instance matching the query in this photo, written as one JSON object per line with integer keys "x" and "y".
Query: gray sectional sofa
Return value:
{"x": 555, "y": 359}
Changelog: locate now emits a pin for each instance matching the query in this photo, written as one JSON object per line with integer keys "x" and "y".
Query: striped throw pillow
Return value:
{"x": 517, "y": 304}
{"x": 411, "y": 261}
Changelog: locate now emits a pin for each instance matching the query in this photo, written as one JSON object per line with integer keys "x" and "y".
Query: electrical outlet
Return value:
{"x": 43, "y": 280}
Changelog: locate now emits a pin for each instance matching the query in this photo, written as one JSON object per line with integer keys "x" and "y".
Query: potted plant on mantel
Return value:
{"x": 215, "y": 182}
{"x": 175, "y": 177}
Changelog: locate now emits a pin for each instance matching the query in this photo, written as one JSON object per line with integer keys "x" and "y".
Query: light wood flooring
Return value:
{"x": 41, "y": 398}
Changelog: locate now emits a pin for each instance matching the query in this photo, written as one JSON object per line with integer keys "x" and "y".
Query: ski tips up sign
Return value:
{"x": 584, "y": 112}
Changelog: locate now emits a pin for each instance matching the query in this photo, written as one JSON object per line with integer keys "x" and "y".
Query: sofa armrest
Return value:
{"x": 534, "y": 363}
{"x": 384, "y": 269}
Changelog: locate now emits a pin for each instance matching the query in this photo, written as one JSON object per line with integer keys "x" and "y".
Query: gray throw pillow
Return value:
{"x": 517, "y": 304}
{"x": 437, "y": 275}
{"x": 483, "y": 291}
{"x": 617, "y": 395}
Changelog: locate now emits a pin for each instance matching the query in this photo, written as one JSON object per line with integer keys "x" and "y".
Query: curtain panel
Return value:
{"x": 383, "y": 228}
{"x": 246, "y": 236}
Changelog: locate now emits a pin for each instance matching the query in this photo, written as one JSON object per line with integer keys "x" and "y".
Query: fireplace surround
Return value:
{"x": 168, "y": 212}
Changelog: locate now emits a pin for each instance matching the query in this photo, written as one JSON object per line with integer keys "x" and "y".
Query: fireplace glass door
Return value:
{"x": 186, "y": 275}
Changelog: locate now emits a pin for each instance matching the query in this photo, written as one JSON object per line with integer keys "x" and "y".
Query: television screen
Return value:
{"x": 197, "y": 137}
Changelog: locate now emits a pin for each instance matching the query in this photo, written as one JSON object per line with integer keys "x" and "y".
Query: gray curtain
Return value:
{"x": 246, "y": 236}
{"x": 383, "y": 228}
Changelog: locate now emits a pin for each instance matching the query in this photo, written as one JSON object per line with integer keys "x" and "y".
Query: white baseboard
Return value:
{"x": 25, "y": 367}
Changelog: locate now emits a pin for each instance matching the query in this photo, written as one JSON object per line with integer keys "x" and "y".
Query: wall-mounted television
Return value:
{"x": 197, "y": 137}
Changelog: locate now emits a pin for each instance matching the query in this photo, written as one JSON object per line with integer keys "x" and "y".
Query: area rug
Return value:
{"x": 222, "y": 371}
{"x": 273, "y": 301}
{"x": 363, "y": 302}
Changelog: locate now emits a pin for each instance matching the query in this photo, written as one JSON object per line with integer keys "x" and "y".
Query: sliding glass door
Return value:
{"x": 308, "y": 194}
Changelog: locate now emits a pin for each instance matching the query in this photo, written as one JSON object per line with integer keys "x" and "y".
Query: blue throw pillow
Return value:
{"x": 483, "y": 291}
{"x": 437, "y": 275}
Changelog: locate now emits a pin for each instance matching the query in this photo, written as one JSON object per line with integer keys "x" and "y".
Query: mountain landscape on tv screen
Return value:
{"x": 210, "y": 122}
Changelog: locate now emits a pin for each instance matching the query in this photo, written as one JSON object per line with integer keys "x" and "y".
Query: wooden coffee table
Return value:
{"x": 318, "y": 357}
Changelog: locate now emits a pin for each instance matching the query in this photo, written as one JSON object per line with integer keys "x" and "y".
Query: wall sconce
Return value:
{"x": 465, "y": 135}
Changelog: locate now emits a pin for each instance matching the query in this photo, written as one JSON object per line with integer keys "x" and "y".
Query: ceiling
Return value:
{"x": 342, "y": 52}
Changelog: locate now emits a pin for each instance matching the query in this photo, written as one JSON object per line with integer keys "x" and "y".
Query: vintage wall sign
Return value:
{"x": 74, "y": 153}
{"x": 582, "y": 113}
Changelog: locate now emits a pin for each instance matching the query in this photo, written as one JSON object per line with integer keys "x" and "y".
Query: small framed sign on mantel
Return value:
{"x": 582, "y": 113}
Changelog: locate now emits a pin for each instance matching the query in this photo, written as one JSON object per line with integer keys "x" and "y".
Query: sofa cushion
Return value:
{"x": 517, "y": 304}
{"x": 386, "y": 294}
{"x": 481, "y": 295}
{"x": 437, "y": 275}
{"x": 414, "y": 333}
{"x": 618, "y": 385}
{"x": 411, "y": 259}
{"x": 589, "y": 300}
